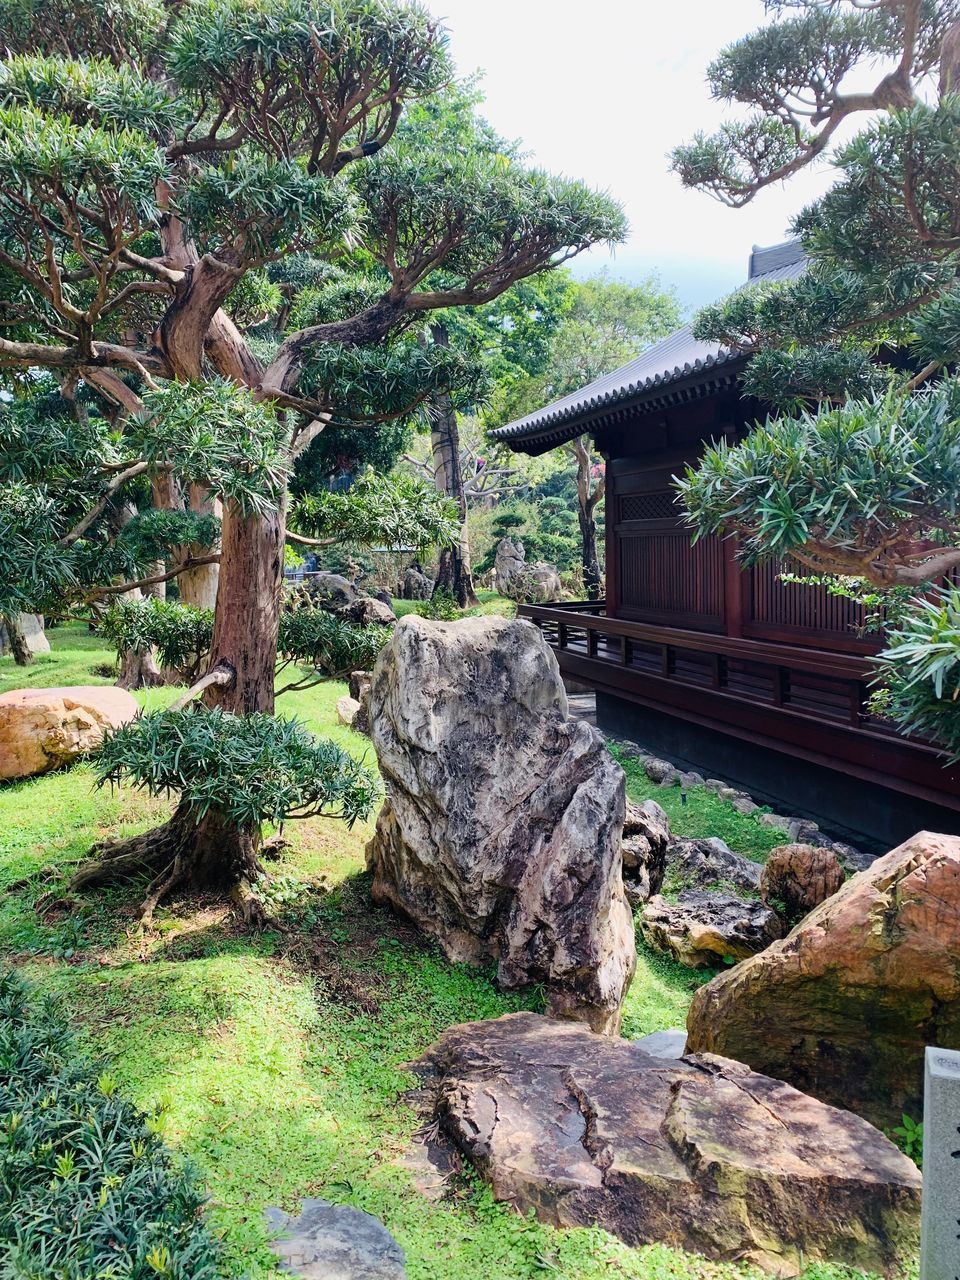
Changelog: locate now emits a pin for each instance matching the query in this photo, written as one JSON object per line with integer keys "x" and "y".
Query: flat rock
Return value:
{"x": 709, "y": 863}
{"x": 43, "y": 729}
{"x": 700, "y": 1153}
{"x": 664, "y": 1044}
{"x": 707, "y": 929}
{"x": 501, "y": 831}
{"x": 844, "y": 1005}
{"x": 335, "y": 1242}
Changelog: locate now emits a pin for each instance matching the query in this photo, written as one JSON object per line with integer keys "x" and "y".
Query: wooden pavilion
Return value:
{"x": 721, "y": 669}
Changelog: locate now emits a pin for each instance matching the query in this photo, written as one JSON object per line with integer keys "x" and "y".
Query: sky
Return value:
{"x": 603, "y": 90}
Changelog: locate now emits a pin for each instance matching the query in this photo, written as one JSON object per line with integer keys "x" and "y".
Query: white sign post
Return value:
{"x": 940, "y": 1224}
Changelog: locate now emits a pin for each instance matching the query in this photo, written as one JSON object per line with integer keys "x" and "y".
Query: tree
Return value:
{"x": 859, "y": 480}
{"x": 605, "y": 323}
{"x": 148, "y": 181}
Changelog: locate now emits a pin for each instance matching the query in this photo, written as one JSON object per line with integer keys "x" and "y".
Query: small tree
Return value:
{"x": 861, "y": 476}
{"x": 155, "y": 163}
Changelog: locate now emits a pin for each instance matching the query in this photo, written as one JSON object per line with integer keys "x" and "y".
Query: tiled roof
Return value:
{"x": 666, "y": 363}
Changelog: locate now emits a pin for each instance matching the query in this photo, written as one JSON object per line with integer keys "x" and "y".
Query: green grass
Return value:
{"x": 279, "y": 1059}
{"x": 490, "y": 603}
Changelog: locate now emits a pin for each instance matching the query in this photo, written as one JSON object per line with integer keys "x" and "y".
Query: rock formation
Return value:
{"x": 708, "y": 929}
{"x": 698, "y": 1153}
{"x": 329, "y": 1241}
{"x": 844, "y": 1006}
{"x": 711, "y": 863}
{"x": 42, "y": 729}
{"x": 416, "y": 585}
{"x": 515, "y": 578}
{"x": 797, "y": 878}
{"x": 500, "y": 834}
{"x": 646, "y": 834}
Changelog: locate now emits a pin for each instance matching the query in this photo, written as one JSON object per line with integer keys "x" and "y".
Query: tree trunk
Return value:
{"x": 589, "y": 558}
{"x": 17, "y": 640}
{"x": 454, "y": 575}
{"x": 198, "y": 587}
{"x": 139, "y": 670}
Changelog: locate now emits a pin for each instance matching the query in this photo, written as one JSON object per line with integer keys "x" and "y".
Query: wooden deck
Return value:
{"x": 805, "y": 702}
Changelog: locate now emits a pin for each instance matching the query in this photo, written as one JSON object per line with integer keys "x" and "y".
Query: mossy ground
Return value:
{"x": 278, "y": 1058}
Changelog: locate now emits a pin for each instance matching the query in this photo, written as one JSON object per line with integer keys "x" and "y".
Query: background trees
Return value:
{"x": 215, "y": 245}
{"x": 860, "y": 478}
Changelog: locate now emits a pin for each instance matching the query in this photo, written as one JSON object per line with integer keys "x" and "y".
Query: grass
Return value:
{"x": 490, "y": 603}
{"x": 278, "y": 1060}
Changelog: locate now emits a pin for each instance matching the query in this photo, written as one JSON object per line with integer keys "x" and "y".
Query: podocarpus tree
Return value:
{"x": 859, "y": 478}
{"x": 155, "y": 162}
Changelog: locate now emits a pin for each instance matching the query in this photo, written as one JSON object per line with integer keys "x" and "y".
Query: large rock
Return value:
{"x": 646, "y": 834}
{"x": 708, "y": 929}
{"x": 42, "y": 729}
{"x": 844, "y": 1006}
{"x": 31, "y": 628}
{"x": 797, "y": 878}
{"x": 697, "y": 1153}
{"x": 711, "y": 864}
{"x": 536, "y": 584}
{"x": 511, "y": 559}
{"x": 329, "y": 1241}
{"x": 500, "y": 834}
{"x": 416, "y": 585}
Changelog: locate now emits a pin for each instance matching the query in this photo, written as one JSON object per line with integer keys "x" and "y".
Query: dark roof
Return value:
{"x": 672, "y": 364}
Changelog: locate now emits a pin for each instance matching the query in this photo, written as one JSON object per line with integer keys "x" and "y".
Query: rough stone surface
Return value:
{"x": 699, "y": 1153}
{"x": 335, "y": 1242}
{"x": 347, "y": 710}
{"x": 367, "y": 610}
{"x": 845, "y": 1004}
{"x": 42, "y": 729}
{"x": 31, "y": 624}
{"x": 416, "y": 585}
{"x": 797, "y": 878}
{"x": 536, "y": 584}
{"x": 511, "y": 559}
{"x": 646, "y": 834}
{"x": 659, "y": 770}
{"x": 705, "y": 929}
{"x": 703, "y": 864}
{"x": 360, "y": 684}
{"x": 500, "y": 834}
{"x": 331, "y": 588}
{"x": 744, "y": 805}
{"x": 664, "y": 1044}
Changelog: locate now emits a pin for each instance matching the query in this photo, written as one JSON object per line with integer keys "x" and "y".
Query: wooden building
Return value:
{"x": 724, "y": 670}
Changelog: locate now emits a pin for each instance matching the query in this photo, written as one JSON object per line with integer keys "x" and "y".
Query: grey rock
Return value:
{"x": 698, "y": 1153}
{"x": 775, "y": 821}
{"x": 31, "y": 625}
{"x": 704, "y": 929}
{"x": 851, "y": 858}
{"x": 347, "y": 711}
{"x": 367, "y": 610}
{"x": 664, "y": 1044}
{"x": 416, "y": 585}
{"x": 729, "y": 793}
{"x": 331, "y": 588}
{"x": 646, "y": 834}
{"x": 744, "y": 805}
{"x": 656, "y": 770}
{"x": 511, "y": 559}
{"x": 671, "y": 779}
{"x": 715, "y": 785}
{"x": 702, "y": 864}
{"x": 501, "y": 831}
{"x": 690, "y": 780}
{"x": 536, "y": 584}
{"x": 335, "y": 1242}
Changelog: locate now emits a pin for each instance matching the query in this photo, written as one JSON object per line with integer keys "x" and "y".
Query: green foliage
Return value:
{"x": 252, "y": 769}
{"x": 332, "y": 646}
{"x": 441, "y": 607}
{"x": 152, "y": 534}
{"x": 840, "y": 479}
{"x": 86, "y": 1186}
{"x": 180, "y": 633}
{"x": 397, "y": 511}
{"x": 909, "y": 1138}
{"x": 920, "y": 670}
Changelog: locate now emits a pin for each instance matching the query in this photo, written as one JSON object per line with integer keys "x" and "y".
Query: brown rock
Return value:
{"x": 697, "y": 1153}
{"x": 347, "y": 711}
{"x": 646, "y": 834}
{"x": 500, "y": 835}
{"x": 797, "y": 878}
{"x": 42, "y": 729}
{"x": 844, "y": 1006}
{"x": 708, "y": 929}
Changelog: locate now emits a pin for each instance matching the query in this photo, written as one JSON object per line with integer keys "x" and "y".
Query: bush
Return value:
{"x": 440, "y": 608}
{"x": 180, "y": 633}
{"x": 87, "y": 1189}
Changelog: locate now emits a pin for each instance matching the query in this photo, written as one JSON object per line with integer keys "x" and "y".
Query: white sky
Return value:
{"x": 602, "y": 90}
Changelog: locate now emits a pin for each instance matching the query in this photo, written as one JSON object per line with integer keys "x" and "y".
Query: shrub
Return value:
{"x": 180, "y": 633}
{"x": 87, "y": 1189}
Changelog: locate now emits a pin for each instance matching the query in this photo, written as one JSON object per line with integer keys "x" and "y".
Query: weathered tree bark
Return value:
{"x": 139, "y": 670}
{"x": 455, "y": 573}
{"x": 587, "y": 503}
{"x": 198, "y": 587}
{"x": 17, "y": 640}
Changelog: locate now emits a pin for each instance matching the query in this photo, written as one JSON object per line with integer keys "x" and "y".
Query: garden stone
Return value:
{"x": 501, "y": 831}
{"x": 671, "y": 780}
{"x": 775, "y": 821}
{"x": 511, "y": 559}
{"x": 715, "y": 785}
{"x": 664, "y": 1044}
{"x": 646, "y": 834}
{"x": 536, "y": 584}
{"x": 416, "y": 585}
{"x": 43, "y": 729}
{"x": 698, "y": 1153}
{"x": 31, "y": 626}
{"x": 657, "y": 770}
{"x": 706, "y": 929}
{"x": 335, "y": 1242}
{"x": 331, "y": 588}
{"x": 743, "y": 804}
{"x": 844, "y": 1005}
{"x": 690, "y": 780}
{"x": 851, "y": 858}
{"x": 797, "y": 878}
{"x": 347, "y": 711}
{"x": 702, "y": 864}
{"x": 368, "y": 610}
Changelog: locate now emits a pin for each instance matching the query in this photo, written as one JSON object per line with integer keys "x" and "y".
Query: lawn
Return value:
{"x": 277, "y": 1059}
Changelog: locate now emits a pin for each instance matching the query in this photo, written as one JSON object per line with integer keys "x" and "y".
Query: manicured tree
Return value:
{"x": 151, "y": 176}
{"x": 861, "y": 478}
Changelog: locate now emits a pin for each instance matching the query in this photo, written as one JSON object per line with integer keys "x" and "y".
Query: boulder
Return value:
{"x": 535, "y": 584}
{"x": 797, "y": 878}
{"x": 708, "y": 929}
{"x": 31, "y": 628}
{"x": 360, "y": 683}
{"x": 646, "y": 834}
{"x": 416, "y": 585}
{"x": 844, "y": 1005}
{"x": 500, "y": 833}
{"x": 511, "y": 559}
{"x": 331, "y": 589}
{"x": 698, "y": 1153}
{"x": 704, "y": 864}
{"x": 329, "y": 1241}
{"x": 347, "y": 711}
{"x": 42, "y": 729}
{"x": 368, "y": 609}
